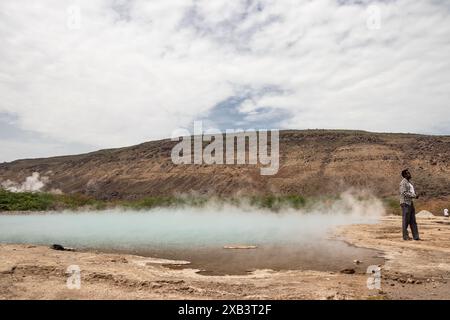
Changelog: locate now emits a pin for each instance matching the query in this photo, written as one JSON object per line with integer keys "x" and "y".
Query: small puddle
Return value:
{"x": 332, "y": 256}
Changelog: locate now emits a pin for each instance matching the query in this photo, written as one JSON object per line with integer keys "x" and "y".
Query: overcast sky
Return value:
{"x": 76, "y": 76}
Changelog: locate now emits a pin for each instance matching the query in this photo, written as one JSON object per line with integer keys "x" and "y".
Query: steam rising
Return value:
{"x": 33, "y": 183}
{"x": 213, "y": 225}
{"x": 288, "y": 239}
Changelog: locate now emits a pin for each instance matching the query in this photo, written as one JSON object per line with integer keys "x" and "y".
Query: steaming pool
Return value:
{"x": 284, "y": 241}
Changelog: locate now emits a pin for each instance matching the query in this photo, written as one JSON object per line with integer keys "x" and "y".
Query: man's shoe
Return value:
{"x": 407, "y": 239}
{"x": 418, "y": 239}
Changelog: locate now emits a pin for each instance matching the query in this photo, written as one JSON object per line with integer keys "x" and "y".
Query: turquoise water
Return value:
{"x": 284, "y": 240}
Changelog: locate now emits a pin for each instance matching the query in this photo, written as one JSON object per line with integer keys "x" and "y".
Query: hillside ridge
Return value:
{"x": 312, "y": 162}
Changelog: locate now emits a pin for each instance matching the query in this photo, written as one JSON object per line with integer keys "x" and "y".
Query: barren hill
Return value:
{"x": 312, "y": 162}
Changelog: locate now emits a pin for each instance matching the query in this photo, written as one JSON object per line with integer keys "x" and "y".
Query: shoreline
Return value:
{"x": 412, "y": 270}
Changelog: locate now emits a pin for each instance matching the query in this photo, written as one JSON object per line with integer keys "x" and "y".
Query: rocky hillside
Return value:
{"x": 312, "y": 162}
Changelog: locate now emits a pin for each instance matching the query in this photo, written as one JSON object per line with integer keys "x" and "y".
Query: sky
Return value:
{"x": 82, "y": 75}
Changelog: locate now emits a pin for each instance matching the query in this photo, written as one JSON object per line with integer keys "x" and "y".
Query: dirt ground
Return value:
{"x": 412, "y": 270}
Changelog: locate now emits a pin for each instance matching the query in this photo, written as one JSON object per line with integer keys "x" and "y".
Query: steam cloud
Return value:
{"x": 215, "y": 223}
{"x": 287, "y": 239}
{"x": 33, "y": 183}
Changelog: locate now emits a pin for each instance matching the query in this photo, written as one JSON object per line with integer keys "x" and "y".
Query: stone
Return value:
{"x": 57, "y": 247}
{"x": 424, "y": 214}
{"x": 240, "y": 247}
{"x": 7, "y": 270}
{"x": 348, "y": 271}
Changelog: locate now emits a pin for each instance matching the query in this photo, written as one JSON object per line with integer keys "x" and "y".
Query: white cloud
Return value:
{"x": 137, "y": 70}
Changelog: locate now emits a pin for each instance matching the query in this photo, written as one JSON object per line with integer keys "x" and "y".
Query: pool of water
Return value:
{"x": 289, "y": 240}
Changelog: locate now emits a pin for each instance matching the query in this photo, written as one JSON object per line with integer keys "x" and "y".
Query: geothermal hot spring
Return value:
{"x": 284, "y": 240}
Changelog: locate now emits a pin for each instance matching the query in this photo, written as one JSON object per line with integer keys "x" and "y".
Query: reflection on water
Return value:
{"x": 285, "y": 240}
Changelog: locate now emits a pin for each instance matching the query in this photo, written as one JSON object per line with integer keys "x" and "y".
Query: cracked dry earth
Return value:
{"x": 413, "y": 270}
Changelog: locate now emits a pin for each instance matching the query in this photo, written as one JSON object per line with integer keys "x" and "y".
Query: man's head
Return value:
{"x": 406, "y": 174}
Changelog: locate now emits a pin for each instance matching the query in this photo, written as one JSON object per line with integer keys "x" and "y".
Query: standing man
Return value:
{"x": 407, "y": 193}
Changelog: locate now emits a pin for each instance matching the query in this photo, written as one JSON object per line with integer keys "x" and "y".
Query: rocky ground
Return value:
{"x": 413, "y": 270}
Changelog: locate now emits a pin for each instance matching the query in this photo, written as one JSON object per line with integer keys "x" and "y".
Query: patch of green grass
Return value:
{"x": 149, "y": 202}
{"x": 10, "y": 201}
{"x": 163, "y": 201}
{"x": 278, "y": 202}
{"x": 25, "y": 201}
{"x": 392, "y": 206}
{"x": 39, "y": 201}
{"x": 295, "y": 201}
{"x": 76, "y": 201}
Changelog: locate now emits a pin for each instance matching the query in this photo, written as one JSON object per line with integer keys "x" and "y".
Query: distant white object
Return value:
{"x": 151, "y": 261}
{"x": 239, "y": 247}
{"x": 412, "y": 189}
{"x": 33, "y": 183}
{"x": 446, "y": 212}
{"x": 424, "y": 214}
